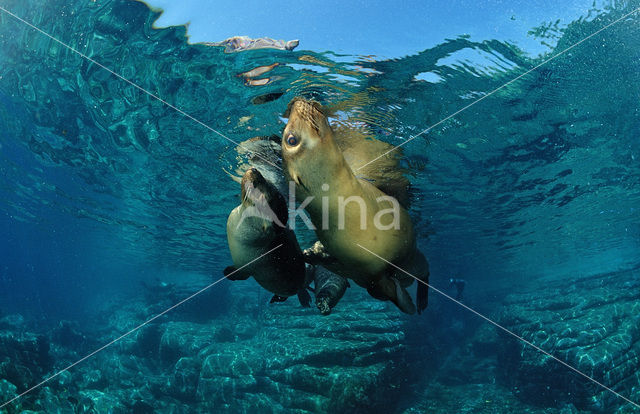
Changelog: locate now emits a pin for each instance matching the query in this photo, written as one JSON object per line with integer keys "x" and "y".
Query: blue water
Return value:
{"x": 103, "y": 186}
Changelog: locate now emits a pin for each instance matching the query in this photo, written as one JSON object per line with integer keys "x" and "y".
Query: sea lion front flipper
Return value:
{"x": 277, "y": 298}
{"x": 231, "y": 273}
{"x": 304, "y": 298}
{"x": 317, "y": 255}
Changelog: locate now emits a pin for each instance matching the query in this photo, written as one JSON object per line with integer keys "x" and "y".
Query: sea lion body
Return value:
{"x": 329, "y": 288}
{"x": 351, "y": 215}
{"x": 258, "y": 225}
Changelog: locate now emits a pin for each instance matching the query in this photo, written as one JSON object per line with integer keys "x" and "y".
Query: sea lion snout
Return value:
{"x": 255, "y": 189}
{"x": 250, "y": 181}
{"x": 323, "y": 305}
{"x": 252, "y": 174}
{"x": 259, "y": 193}
{"x": 301, "y": 105}
{"x": 306, "y": 119}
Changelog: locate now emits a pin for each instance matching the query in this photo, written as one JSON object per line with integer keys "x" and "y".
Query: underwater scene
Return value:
{"x": 417, "y": 212}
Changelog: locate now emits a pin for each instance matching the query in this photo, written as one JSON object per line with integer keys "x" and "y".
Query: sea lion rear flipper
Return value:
{"x": 422, "y": 292}
{"x": 388, "y": 288}
{"x": 231, "y": 273}
{"x": 403, "y": 299}
{"x": 304, "y": 298}
{"x": 309, "y": 274}
{"x": 277, "y": 298}
{"x": 422, "y": 296}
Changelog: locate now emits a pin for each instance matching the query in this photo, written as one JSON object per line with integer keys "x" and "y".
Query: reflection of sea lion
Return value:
{"x": 259, "y": 71}
{"x": 258, "y": 225}
{"x": 328, "y": 289}
{"x": 261, "y": 81}
{"x": 240, "y": 43}
{"x": 313, "y": 159}
{"x": 267, "y": 97}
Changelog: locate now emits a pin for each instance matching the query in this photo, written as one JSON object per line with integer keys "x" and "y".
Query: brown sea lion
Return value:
{"x": 351, "y": 213}
{"x": 258, "y": 225}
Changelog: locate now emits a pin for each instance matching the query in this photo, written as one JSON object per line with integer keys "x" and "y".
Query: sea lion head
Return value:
{"x": 262, "y": 198}
{"x": 307, "y": 141}
{"x": 307, "y": 127}
{"x": 324, "y": 305}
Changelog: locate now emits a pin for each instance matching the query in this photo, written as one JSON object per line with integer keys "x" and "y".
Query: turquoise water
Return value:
{"x": 534, "y": 190}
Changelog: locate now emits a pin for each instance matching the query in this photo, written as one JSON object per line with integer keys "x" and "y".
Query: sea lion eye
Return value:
{"x": 292, "y": 140}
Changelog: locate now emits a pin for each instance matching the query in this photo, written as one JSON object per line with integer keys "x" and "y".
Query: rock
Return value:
{"x": 48, "y": 398}
{"x": 24, "y": 358}
{"x": 66, "y": 334}
{"x": 184, "y": 381}
{"x": 593, "y": 324}
{"x": 299, "y": 360}
{"x": 141, "y": 407}
{"x": 13, "y": 322}
{"x": 147, "y": 341}
{"x": 64, "y": 379}
{"x": 224, "y": 334}
{"x": 101, "y": 402}
{"x": 184, "y": 339}
{"x": 7, "y": 390}
{"x": 93, "y": 378}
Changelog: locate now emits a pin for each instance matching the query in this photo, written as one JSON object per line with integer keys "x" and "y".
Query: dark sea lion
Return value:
{"x": 258, "y": 225}
{"x": 267, "y": 97}
{"x": 328, "y": 289}
{"x": 263, "y": 153}
{"x": 314, "y": 160}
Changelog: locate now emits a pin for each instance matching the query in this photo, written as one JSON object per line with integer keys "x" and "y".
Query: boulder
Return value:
{"x": 592, "y": 324}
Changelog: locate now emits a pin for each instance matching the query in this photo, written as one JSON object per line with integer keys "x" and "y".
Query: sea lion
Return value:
{"x": 263, "y": 153}
{"x": 241, "y": 43}
{"x": 258, "y": 225}
{"x": 350, "y": 213}
{"x": 328, "y": 288}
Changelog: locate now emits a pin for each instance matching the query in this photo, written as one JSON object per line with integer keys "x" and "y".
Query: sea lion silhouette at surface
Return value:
{"x": 314, "y": 160}
{"x": 258, "y": 225}
{"x": 241, "y": 43}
